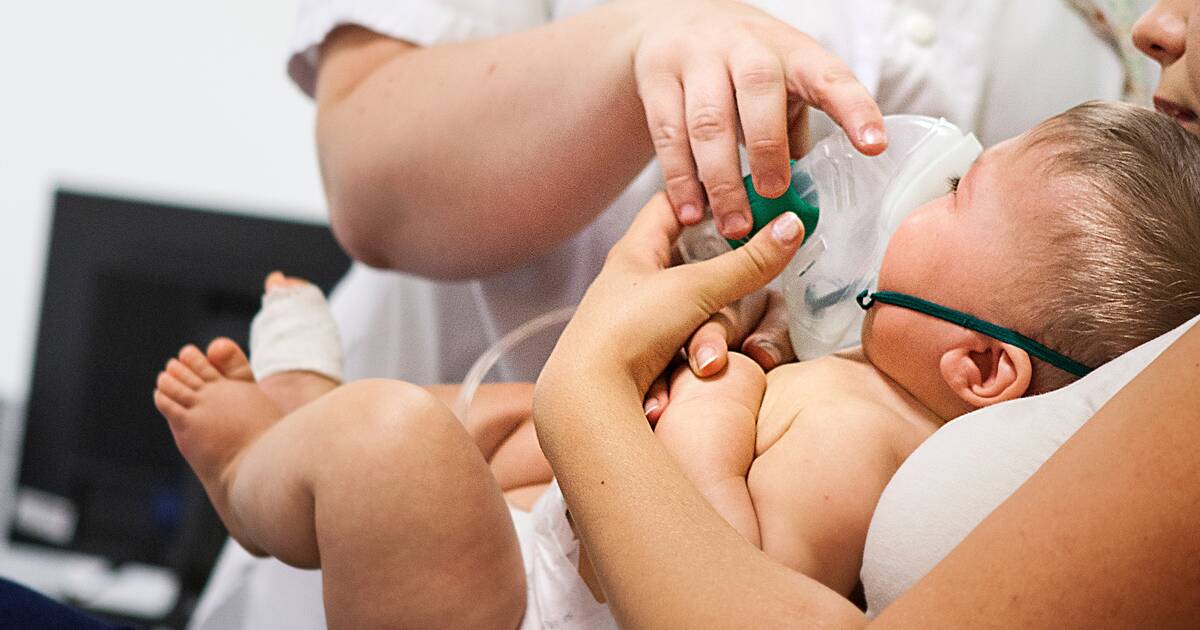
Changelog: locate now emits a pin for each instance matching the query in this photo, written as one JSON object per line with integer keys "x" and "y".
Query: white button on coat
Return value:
{"x": 922, "y": 29}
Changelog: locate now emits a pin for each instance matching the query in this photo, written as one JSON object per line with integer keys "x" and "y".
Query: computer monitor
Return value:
{"x": 127, "y": 284}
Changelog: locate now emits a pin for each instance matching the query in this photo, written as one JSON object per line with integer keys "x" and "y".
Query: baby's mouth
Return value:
{"x": 1174, "y": 110}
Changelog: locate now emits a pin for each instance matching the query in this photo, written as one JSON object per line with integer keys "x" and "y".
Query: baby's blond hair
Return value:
{"x": 1120, "y": 263}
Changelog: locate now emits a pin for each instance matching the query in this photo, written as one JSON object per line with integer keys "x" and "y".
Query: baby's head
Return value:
{"x": 1082, "y": 234}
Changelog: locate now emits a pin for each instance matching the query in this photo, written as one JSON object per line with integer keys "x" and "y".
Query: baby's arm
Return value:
{"x": 819, "y": 470}
{"x": 708, "y": 428}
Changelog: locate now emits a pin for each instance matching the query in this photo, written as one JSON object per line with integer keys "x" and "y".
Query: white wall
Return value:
{"x": 177, "y": 101}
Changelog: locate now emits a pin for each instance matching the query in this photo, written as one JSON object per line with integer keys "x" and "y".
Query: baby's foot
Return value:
{"x": 289, "y": 388}
{"x": 214, "y": 416}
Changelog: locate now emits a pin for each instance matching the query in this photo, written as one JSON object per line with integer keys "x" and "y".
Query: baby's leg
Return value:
{"x": 375, "y": 482}
{"x": 709, "y": 428}
{"x": 298, "y": 358}
{"x": 500, "y": 420}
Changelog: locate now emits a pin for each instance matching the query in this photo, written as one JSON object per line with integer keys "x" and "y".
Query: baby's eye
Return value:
{"x": 952, "y": 183}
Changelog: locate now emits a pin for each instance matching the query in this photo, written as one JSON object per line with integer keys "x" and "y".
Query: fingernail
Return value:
{"x": 769, "y": 349}
{"x": 786, "y": 228}
{"x": 872, "y": 135}
{"x": 705, "y": 357}
{"x": 735, "y": 224}
{"x": 771, "y": 186}
{"x": 689, "y": 213}
{"x": 650, "y": 406}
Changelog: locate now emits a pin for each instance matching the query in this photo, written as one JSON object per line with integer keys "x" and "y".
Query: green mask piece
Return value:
{"x": 866, "y": 300}
{"x": 764, "y": 209}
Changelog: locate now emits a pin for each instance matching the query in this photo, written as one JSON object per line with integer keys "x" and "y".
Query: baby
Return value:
{"x": 1080, "y": 234}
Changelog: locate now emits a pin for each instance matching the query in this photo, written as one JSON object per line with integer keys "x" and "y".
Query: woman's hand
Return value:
{"x": 708, "y": 71}
{"x": 639, "y": 311}
{"x": 756, "y": 323}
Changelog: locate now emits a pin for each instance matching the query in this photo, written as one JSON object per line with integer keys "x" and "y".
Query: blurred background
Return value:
{"x": 155, "y": 163}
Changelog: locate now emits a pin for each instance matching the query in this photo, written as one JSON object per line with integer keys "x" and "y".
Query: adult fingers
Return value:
{"x": 761, "y": 95}
{"x": 656, "y": 399}
{"x": 824, "y": 81}
{"x": 647, "y": 244}
{"x": 799, "y": 135}
{"x": 712, "y": 132}
{"x": 770, "y": 345}
{"x": 708, "y": 349}
{"x": 709, "y": 346}
{"x": 714, "y": 283}
{"x": 662, "y": 99}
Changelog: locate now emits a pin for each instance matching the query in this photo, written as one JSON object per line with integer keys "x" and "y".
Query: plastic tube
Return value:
{"x": 479, "y": 370}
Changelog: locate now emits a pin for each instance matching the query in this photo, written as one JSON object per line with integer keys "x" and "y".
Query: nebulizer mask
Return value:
{"x": 850, "y": 204}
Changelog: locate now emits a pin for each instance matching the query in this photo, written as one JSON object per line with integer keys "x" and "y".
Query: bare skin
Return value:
{"x": 1102, "y": 536}
{"x": 432, "y": 541}
{"x": 709, "y": 429}
{"x": 288, "y": 390}
{"x": 499, "y": 417}
{"x": 260, "y": 469}
{"x": 267, "y": 484}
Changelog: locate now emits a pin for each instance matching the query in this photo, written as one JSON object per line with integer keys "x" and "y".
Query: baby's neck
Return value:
{"x": 893, "y": 395}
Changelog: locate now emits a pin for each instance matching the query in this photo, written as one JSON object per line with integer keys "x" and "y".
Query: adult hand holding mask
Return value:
{"x": 710, "y": 71}
{"x": 639, "y": 310}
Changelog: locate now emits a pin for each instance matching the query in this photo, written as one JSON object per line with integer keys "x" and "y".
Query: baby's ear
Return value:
{"x": 983, "y": 371}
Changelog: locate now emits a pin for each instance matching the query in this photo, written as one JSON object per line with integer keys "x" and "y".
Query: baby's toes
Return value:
{"x": 176, "y": 391}
{"x": 195, "y": 359}
{"x": 184, "y": 374}
{"x": 276, "y": 280}
{"x": 229, "y": 358}
{"x": 174, "y": 412}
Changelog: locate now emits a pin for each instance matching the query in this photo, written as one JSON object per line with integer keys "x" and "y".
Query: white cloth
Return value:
{"x": 557, "y": 598}
{"x": 995, "y": 66}
{"x": 295, "y": 330}
{"x": 971, "y": 465}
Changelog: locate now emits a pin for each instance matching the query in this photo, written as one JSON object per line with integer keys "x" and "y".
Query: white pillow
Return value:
{"x": 971, "y": 465}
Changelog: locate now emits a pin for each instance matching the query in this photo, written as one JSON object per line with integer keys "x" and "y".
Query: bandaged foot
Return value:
{"x": 295, "y": 350}
{"x": 213, "y": 418}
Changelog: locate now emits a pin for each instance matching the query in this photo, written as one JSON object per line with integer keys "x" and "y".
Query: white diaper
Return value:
{"x": 556, "y": 597}
{"x": 295, "y": 331}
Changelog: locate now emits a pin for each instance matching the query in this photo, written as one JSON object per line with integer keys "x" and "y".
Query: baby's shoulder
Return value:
{"x": 842, "y": 393}
{"x": 835, "y": 370}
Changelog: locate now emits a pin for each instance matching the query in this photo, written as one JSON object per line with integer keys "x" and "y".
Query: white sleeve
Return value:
{"x": 421, "y": 22}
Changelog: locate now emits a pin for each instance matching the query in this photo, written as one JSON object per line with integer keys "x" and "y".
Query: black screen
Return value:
{"x": 127, "y": 284}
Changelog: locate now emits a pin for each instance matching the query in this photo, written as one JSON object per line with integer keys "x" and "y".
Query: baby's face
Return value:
{"x": 963, "y": 250}
{"x": 1170, "y": 34}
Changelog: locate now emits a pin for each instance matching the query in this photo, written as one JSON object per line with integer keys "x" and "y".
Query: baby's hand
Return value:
{"x": 639, "y": 311}
{"x": 757, "y": 324}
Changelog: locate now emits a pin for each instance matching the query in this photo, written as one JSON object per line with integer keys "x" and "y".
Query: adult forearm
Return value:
{"x": 664, "y": 557}
{"x": 514, "y": 142}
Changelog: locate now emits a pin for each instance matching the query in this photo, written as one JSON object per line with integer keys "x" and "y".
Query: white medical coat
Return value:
{"x": 993, "y": 66}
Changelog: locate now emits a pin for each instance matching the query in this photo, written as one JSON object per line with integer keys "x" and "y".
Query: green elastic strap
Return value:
{"x": 866, "y": 300}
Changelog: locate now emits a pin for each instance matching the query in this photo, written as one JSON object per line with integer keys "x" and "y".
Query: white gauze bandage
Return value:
{"x": 295, "y": 331}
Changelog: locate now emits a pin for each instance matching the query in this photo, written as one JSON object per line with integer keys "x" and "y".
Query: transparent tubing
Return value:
{"x": 479, "y": 370}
